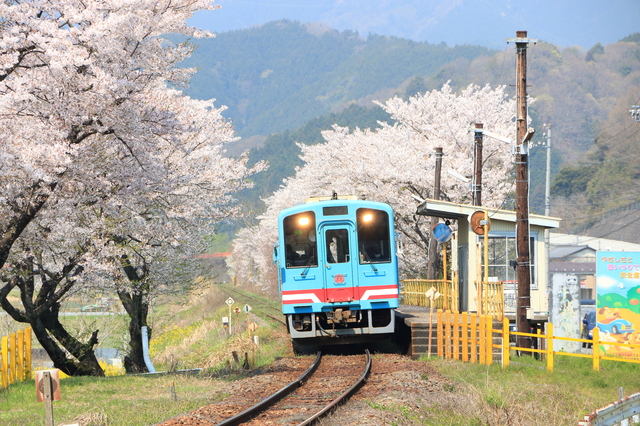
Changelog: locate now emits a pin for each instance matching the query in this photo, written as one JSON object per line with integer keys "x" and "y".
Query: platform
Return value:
{"x": 412, "y": 330}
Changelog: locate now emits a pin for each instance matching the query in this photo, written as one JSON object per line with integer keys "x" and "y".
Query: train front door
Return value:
{"x": 339, "y": 278}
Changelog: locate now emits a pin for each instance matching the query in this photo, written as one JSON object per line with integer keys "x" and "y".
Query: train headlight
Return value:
{"x": 303, "y": 221}
{"x": 368, "y": 217}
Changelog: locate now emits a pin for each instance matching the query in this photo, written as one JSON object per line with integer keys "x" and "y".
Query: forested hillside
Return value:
{"x": 277, "y": 77}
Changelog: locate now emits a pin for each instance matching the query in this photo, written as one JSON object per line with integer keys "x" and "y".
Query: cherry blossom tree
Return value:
{"x": 394, "y": 162}
{"x": 107, "y": 173}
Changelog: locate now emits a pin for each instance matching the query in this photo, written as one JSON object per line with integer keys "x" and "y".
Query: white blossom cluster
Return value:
{"x": 100, "y": 155}
{"x": 390, "y": 165}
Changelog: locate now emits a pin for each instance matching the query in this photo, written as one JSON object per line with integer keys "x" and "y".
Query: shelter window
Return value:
{"x": 502, "y": 254}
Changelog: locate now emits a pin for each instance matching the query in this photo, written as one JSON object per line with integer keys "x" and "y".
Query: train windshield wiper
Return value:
{"x": 368, "y": 259}
{"x": 307, "y": 266}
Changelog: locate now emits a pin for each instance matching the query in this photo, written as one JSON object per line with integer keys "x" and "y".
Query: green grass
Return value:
{"x": 120, "y": 400}
{"x": 189, "y": 334}
{"x": 526, "y": 393}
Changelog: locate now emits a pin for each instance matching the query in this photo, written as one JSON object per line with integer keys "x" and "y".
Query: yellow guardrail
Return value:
{"x": 491, "y": 295}
{"x": 414, "y": 293}
{"x": 471, "y": 338}
{"x": 15, "y": 357}
{"x": 492, "y": 299}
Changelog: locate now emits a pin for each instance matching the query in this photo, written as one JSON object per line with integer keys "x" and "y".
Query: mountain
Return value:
{"x": 488, "y": 23}
{"x": 279, "y": 76}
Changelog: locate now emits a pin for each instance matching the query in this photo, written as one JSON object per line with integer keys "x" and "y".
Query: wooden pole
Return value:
{"x": 477, "y": 165}
{"x": 522, "y": 191}
{"x": 433, "y": 244}
{"x": 48, "y": 398}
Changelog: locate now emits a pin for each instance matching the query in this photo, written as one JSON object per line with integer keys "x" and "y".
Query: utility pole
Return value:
{"x": 433, "y": 244}
{"x": 522, "y": 190}
{"x": 547, "y": 191}
{"x": 477, "y": 165}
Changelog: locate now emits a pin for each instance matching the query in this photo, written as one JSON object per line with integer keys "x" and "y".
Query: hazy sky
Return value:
{"x": 484, "y": 22}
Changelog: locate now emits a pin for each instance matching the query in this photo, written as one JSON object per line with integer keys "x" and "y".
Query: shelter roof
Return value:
{"x": 448, "y": 210}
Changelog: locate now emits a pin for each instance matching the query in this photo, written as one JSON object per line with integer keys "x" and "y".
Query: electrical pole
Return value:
{"x": 547, "y": 191}
{"x": 433, "y": 244}
{"x": 522, "y": 190}
{"x": 477, "y": 165}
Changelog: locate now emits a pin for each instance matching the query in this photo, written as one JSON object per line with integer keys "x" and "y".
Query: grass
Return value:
{"x": 120, "y": 400}
{"x": 526, "y": 393}
{"x": 189, "y": 334}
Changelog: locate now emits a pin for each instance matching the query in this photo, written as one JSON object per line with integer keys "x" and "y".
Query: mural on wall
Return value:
{"x": 618, "y": 302}
{"x": 565, "y": 309}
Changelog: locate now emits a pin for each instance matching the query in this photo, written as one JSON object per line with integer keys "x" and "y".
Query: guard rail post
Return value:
{"x": 549, "y": 346}
{"x": 506, "y": 344}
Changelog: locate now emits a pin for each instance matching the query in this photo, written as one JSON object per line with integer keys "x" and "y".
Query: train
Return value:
{"x": 337, "y": 265}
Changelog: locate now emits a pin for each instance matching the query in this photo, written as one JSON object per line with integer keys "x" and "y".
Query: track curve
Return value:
{"x": 327, "y": 383}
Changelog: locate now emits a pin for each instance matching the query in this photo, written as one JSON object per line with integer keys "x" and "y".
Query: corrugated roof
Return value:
{"x": 573, "y": 267}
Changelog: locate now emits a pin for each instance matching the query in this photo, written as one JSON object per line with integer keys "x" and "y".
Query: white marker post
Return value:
{"x": 230, "y": 302}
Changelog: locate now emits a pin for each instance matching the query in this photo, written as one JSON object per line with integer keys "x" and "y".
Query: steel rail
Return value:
{"x": 248, "y": 414}
{"x": 261, "y": 311}
{"x": 345, "y": 395}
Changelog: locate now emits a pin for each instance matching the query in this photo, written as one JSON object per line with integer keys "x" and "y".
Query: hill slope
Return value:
{"x": 279, "y": 76}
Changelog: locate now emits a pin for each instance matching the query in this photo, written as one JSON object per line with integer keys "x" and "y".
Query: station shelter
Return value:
{"x": 480, "y": 284}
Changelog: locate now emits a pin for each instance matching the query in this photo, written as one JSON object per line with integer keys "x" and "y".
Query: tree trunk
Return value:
{"x": 136, "y": 304}
{"x": 47, "y": 326}
{"x": 137, "y": 310}
{"x": 42, "y": 314}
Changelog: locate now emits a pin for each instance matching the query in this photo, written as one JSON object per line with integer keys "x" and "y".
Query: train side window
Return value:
{"x": 337, "y": 241}
{"x": 300, "y": 240}
{"x": 374, "y": 241}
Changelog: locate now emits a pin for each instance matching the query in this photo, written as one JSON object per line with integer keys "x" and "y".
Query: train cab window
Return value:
{"x": 337, "y": 241}
{"x": 373, "y": 236}
{"x": 300, "y": 240}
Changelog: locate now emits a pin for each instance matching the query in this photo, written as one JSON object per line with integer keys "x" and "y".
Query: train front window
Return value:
{"x": 337, "y": 245}
{"x": 374, "y": 244}
{"x": 300, "y": 240}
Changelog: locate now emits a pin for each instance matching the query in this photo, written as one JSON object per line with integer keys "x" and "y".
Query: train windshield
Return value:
{"x": 337, "y": 245}
{"x": 373, "y": 236}
{"x": 300, "y": 240}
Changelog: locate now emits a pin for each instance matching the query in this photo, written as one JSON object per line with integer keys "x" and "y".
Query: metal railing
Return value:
{"x": 491, "y": 295}
{"x": 468, "y": 333}
{"x": 492, "y": 299}
{"x": 414, "y": 293}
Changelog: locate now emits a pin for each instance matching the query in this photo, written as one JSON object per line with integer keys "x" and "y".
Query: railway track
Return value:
{"x": 327, "y": 383}
{"x": 261, "y": 311}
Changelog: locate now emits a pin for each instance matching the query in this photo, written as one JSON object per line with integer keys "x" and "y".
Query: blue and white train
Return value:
{"x": 337, "y": 270}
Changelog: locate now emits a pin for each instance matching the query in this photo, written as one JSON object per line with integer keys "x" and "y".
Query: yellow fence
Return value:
{"x": 414, "y": 293}
{"x": 492, "y": 299}
{"x": 15, "y": 358}
{"x": 473, "y": 338}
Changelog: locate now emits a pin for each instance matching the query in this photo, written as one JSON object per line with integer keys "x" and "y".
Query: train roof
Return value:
{"x": 315, "y": 203}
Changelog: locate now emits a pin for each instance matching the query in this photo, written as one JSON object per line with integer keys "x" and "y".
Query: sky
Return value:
{"x": 564, "y": 23}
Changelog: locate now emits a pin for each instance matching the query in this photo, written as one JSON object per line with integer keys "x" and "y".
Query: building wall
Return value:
{"x": 539, "y": 292}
